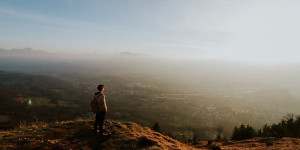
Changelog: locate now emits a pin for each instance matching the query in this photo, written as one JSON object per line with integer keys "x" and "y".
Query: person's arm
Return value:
{"x": 104, "y": 104}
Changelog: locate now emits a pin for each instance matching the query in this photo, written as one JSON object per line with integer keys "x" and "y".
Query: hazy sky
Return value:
{"x": 244, "y": 30}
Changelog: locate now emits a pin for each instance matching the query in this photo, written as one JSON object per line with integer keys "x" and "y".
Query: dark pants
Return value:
{"x": 99, "y": 121}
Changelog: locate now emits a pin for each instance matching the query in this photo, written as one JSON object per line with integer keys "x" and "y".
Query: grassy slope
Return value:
{"x": 127, "y": 135}
{"x": 78, "y": 134}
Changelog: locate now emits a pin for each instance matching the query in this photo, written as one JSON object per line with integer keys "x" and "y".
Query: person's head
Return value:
{"x": 100, "y": 88}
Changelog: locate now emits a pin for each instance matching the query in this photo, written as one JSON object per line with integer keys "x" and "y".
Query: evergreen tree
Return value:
{"x": 235, "y": 133}
{"x": 156, "y": 127}
{"x": 243, "y": 132}
{"x": 259, "y": 133}
{"x": 250, "y": 132}
{"x": 288, "y": 127}
{"x": 219, "y": 130}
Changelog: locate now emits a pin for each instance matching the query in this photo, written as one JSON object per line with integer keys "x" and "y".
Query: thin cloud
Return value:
{"x": 51, "y": 21}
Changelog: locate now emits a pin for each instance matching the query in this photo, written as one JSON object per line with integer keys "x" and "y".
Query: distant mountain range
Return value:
{"x": 21, "y": 51}
{"x": 131, "y": 54}
{"x": 34, "y": 51}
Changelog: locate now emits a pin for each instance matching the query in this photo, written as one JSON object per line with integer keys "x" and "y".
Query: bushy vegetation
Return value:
{"x": 287, "y": 127}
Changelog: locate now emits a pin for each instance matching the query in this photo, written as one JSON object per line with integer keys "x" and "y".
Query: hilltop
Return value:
{"x": 78, "y": 134}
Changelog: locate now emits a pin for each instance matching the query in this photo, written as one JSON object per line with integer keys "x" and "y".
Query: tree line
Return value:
{"x": 287, "y": 127}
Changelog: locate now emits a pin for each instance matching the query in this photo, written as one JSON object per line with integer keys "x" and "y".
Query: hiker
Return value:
{"x": 101, "y": 110}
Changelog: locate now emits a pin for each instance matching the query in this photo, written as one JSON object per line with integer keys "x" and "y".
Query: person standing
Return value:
{"x": 102, "y": 109}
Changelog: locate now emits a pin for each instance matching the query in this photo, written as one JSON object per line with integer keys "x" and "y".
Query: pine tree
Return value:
{"x": 235, "y": 133}
{"x": 259, "y": 133}
{"x": 156, "y": 127}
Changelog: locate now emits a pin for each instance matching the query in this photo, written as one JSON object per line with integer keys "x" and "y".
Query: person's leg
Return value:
{"x": 96, "y": 122}
{"x": 101, "y": 120}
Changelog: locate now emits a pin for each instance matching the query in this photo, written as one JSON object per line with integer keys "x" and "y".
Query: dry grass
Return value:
{"x": 144, "y": 136}
{"x": 78, "y": 133}
{"x": 36, "y": 124}
{"x": 256, "y": 144}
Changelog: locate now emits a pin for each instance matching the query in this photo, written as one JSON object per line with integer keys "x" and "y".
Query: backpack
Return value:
{"x": 94, "y": 104}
